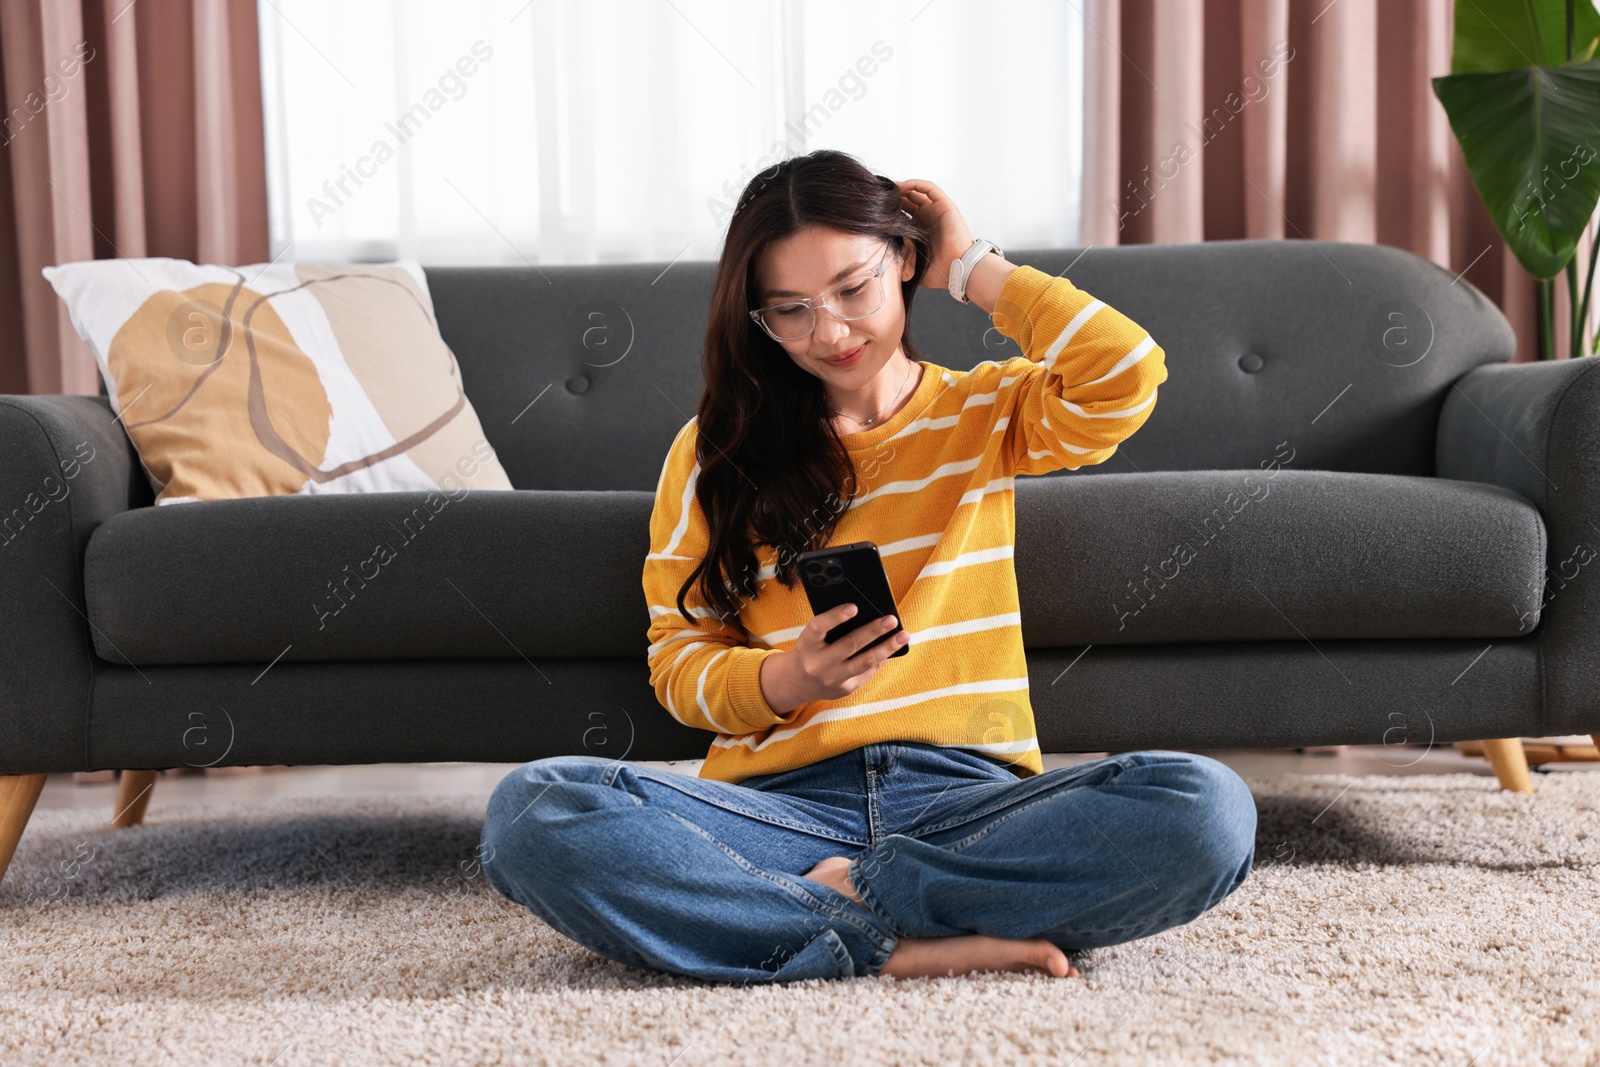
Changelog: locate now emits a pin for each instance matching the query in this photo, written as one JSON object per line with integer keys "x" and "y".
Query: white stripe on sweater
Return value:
{"x": 683, "y": 516}
{"x": 1076, "y": 410}
{"x": 966, "y": 626}
{"x": 966, "y": 559}
{"x": 912, "y": 485}
{"x": 1140, "y": 350}
{"x": 854, "y": 711}
{"x": 1069, "y": 331}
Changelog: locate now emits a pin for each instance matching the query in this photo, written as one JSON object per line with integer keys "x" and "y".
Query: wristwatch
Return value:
{"x": 961, "y": 269}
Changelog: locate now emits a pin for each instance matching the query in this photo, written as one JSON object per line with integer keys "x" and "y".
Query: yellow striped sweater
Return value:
{"x": 936, "y": 495}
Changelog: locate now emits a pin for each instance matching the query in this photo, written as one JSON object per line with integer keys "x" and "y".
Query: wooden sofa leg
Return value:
{"x": 18, "y": 794}
{"x": 133, "y": 796}
{"x": 1510, "y": 763}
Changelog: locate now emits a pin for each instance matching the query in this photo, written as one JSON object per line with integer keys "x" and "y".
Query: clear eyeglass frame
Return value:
{"x": 825, "y": 300}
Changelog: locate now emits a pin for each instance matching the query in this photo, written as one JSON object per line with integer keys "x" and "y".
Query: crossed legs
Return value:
{"x": 727, "y": 884}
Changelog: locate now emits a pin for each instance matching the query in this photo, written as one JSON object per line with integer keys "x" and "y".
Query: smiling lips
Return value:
{"x": 848, "y": 357}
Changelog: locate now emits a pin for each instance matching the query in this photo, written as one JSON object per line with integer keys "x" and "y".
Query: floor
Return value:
{"x": 1387, "y": 920}
{"x": 193, "y": 787}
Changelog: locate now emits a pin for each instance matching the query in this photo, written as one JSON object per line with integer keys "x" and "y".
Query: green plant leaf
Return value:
{"x": 1496, "y": 35}
{"x": 1531, "y": 139}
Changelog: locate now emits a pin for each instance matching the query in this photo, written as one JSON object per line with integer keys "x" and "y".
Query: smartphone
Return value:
{"x": 850, "y": 574}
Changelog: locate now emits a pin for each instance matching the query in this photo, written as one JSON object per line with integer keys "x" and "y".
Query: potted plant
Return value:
{"x": 1523, "y": 98}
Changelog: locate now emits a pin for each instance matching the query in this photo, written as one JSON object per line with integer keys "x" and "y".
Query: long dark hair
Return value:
{"x": 772, "y": 468}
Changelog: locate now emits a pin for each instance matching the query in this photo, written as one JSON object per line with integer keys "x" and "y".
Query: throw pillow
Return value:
{"x": 279, "y": 378}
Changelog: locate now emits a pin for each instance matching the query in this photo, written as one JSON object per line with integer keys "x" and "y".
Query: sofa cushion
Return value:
{"x": 553, "y": 574}
{"x": 502, "y": 575}
{"x": 1276, "y": 554}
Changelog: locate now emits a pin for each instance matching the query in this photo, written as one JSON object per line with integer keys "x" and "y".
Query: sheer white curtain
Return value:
{"x": 564, "y": 131}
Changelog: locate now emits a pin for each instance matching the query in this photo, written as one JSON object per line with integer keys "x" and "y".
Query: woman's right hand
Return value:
{"x": 816, "y": 670}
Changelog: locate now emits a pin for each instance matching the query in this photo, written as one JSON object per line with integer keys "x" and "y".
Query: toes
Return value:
{"x": 832, "y": 863}
{"x": 1050, "y": 958}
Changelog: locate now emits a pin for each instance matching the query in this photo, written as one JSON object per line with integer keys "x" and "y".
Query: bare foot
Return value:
{"x": 917, "y": 957}
{"x": 937, "y": 957}
{"x": 834, "y": 872}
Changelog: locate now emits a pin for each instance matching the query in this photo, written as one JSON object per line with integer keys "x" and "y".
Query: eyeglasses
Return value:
{"x": 853, "y": 298}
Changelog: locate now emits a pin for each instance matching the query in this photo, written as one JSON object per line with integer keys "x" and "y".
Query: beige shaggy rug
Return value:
{"x": 1429, "y": 919}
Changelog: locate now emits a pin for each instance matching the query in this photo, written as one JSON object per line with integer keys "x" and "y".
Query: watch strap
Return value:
{"x": 961, "y": 269}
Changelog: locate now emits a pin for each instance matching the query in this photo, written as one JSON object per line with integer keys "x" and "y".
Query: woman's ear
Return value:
{"x": 908, "y": 259}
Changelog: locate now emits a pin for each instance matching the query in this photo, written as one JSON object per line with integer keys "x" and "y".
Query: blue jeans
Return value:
{"x": 704, "y": 878}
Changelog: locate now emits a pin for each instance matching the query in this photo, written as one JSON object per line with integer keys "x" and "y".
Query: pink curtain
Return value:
{"x": 126, "y": 129}
{"x": 1269, "y": 119}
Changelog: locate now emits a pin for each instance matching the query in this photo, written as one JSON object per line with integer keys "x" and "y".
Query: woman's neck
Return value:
{"x": 878, "y": 399}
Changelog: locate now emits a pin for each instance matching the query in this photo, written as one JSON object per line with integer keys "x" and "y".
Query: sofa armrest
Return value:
{"x": 1534, "y": 428}
{"x": 1499, "y": 421}
{"x": 66, "y": 465}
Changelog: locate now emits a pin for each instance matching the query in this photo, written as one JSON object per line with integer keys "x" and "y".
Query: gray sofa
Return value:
{"x": 1349, "y": 520}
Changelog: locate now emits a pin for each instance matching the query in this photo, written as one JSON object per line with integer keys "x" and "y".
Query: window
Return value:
{"x": 558, "y": 131}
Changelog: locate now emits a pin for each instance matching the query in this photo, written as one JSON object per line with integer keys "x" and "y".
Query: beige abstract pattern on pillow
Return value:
{"x": 221, "y": 399}
{"x": 186, "y": 416}
{"x": 422, "y": 412}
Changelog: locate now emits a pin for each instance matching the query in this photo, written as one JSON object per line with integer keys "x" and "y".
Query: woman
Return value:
{"x": 858, "y": 814}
